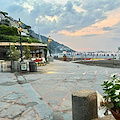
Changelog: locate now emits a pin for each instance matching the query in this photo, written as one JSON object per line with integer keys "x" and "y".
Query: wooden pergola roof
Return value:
{"x": 33, "y": 46}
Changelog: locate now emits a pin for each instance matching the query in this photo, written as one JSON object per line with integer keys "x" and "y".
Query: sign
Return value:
{"x": 64, "y": 52}
{"x": 23, "y": 66}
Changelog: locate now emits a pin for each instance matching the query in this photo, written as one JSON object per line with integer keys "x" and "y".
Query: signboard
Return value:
{"x": 23, "y": 66}
{"x": 64, "y": 52}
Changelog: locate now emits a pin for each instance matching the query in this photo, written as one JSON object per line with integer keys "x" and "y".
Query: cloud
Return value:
{"x": 84, "y": 31}
{"x": 69, "y": 6}
{"x": 29, "y": 7}
{"x": 77, "y": 3}
{"x": 107, "y": 28}
{"x": 90, "y": 35}
{"x": 67, "y": 17}
{"x": 78, "y": 17}
{"x": 15, "y": 9}
{"x": 105, "y": 5}
{"x": 112, "y": 19}
{"x": 99, "y": 27}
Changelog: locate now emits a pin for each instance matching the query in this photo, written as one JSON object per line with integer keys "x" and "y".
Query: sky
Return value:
{"x": 83, "y": 25}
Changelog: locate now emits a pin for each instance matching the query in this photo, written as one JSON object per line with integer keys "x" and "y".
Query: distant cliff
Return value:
{"x": 55, "y": 46}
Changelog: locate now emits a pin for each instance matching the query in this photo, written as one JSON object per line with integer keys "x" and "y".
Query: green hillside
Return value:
{"x": 10, "y": 34}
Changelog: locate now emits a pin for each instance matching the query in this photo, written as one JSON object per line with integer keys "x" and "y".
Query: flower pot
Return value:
{"x": 116, "y": 115}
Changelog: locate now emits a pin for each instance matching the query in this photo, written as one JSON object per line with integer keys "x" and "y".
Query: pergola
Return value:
{"x": 35, "y": 48}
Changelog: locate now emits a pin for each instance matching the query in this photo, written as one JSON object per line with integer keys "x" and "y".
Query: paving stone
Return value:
{"x": 64, "y": 88}
{"x": 12, "y": 112}
{"x": 43, "y": 92}
{"x": 12, "y": 97}
{"x": 3, "y": 93}
{"x": 3, "y": 104}
{"x": 29, "y": 116}
{"x": 72, "y": 75}
{"x": 56, "y": 94}
{"x": 23, "y": 101}
{"x": 69, "y": 96}
{"x": 53, "y": 102}
{"x": 66, "y": 106}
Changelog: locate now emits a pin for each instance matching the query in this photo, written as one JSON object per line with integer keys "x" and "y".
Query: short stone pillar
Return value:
{"x": 84, "y": 105}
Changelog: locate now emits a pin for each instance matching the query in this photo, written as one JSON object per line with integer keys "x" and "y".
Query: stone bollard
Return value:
{"x": 84, "y": 105}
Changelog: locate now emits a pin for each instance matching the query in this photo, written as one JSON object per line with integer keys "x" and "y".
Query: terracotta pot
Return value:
{"x": 116, "y": 115}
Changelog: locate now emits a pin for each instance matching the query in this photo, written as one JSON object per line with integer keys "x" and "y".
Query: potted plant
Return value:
{"x": 111, "y": 89}
{"x": 64, "y": 57}
{"x": 14, "y": 55}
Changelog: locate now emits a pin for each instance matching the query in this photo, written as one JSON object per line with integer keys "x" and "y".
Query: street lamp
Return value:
{"x": 28, "y": 39}
{"x": 19, "y": 31}
{"x": 49, "y": 41}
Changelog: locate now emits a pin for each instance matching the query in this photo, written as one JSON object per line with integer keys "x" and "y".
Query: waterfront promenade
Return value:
{"x": 46, "y": 94}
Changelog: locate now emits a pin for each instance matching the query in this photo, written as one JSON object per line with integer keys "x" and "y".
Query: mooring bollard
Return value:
{"x": 84, "y": 105}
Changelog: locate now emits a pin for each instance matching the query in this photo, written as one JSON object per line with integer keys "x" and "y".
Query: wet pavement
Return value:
{"x": 46, "y": 94}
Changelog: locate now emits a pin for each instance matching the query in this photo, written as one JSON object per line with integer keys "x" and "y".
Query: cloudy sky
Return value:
{"x": 83, "y": 25}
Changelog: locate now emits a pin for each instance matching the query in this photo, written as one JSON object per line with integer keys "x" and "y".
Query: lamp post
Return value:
{"x": 12, "y": 63}
{"x": 28, "y": 39}
{"x": 49, "y": 41}
{"x": 19, "y": 31}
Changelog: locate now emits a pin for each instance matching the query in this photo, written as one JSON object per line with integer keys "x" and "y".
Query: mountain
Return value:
{"x": 55, "y": 46}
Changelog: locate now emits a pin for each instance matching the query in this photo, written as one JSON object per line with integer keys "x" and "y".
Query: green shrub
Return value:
{"x": 9, "y": 38}
{"x": 14, "y": 54}
{"x": 10, "y": 34}
{"x": 7, "y": 30}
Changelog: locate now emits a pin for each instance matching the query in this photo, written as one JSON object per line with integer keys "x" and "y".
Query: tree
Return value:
{"x": 4, "y": 13}
{"x": 14, "y": 54}
{"x": 27, "y": 27}
{"x": 7, "y": 30}
{"x": 27, "y": 53}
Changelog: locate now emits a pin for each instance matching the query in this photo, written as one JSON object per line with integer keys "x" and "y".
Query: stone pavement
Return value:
{"x": 46, "y": 94}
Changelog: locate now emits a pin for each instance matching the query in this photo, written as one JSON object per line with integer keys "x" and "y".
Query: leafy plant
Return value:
{"x": 14, "y": 54}
{"x": 112, "y": 93}
{"x": 7, "y": 30}
{"x": 4, "y": 13}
